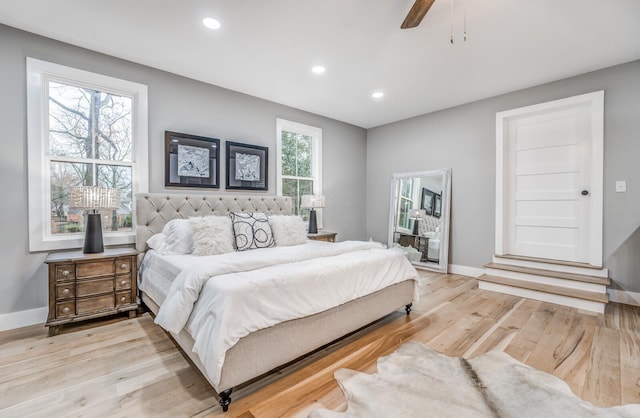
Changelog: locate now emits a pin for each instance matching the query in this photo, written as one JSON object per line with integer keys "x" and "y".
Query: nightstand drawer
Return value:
{"x": 65, "y": 291}
{"x": 94, "y": 287}
{"x": 94, "y": 269}
{"x": 123, "y": 265}
{"x": 123, "y": 298}
{"x": 65, "y": 272}
{"x": 123, "y": 282}
{"x": 94, "y": 304}
{"x": 64, "y": 309}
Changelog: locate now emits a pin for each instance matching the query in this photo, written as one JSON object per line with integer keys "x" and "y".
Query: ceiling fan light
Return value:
{"x": 211, "y": 23}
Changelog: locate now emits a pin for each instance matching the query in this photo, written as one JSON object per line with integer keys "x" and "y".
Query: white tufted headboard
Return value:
{"x": 428, "y": 223}
{"x": 154, "y": 210}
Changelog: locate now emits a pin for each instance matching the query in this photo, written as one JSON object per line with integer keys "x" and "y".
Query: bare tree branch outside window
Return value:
{"x": 90, "y": 143}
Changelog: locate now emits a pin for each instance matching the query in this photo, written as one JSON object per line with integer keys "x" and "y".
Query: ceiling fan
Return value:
{"x": 417, "y": 13}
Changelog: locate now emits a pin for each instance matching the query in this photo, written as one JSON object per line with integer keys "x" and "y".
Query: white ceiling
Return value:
{"x": 266, "y": 48}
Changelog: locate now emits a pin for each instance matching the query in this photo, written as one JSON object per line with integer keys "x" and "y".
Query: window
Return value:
{"x": 299, "y": 162}
{"x": 405, "y": 203}
{"x": 84, "y": 129}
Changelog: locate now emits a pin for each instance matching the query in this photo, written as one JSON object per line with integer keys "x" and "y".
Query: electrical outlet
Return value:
{"x": 621, "y": 186}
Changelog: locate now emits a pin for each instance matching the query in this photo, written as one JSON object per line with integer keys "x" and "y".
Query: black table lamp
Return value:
{"x": 312, "y": 201}
{"x": 417, "y": 216}
{"x": 92, "y": 199}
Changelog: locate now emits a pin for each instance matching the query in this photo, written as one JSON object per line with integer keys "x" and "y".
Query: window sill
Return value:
{"x": 69, "y": 243}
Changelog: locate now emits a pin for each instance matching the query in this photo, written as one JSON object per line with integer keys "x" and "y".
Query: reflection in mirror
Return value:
{"x": 419, "y": 217}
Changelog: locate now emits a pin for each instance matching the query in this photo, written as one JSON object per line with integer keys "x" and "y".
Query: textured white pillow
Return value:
{"x": 251, "y": 230}
{"x": 157, "y": 242}
{"x": 177, "y": 237}
{"x": 288, "y": 230}
{"x": 211, "y": 235}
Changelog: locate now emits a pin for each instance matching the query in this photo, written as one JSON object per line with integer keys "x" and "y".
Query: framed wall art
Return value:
{"x": 247, "y": 166}
{"x": 437, "y": 205}
{"x": 191, "y": 161}
{"x": 428, "y": 200}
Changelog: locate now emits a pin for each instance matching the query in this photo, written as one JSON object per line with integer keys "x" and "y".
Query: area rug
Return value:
{"x": 416, "y": 381}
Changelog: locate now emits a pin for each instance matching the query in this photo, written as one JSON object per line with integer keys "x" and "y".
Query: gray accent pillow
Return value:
{"x": 251, "y": 230}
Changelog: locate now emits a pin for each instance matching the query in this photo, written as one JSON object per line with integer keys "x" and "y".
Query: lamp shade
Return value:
{"x": 312, "y": 201}
{"x": 416, "y": 213}
{"x": 94, "y": 197}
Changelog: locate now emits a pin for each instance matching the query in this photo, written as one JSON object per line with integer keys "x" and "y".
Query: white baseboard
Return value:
{"x": 622, "y": 296}
{"x": 466, "y": 270}
{"x": 21, "y": 319}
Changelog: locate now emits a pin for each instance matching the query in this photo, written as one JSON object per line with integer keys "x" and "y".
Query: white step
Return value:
{"x": 552, "y": 265}
{"x": 578, "y": 303}
{"x": 547, "y": 277}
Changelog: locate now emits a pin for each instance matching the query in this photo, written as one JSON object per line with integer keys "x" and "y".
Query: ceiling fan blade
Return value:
{"x": 417, "y": 13}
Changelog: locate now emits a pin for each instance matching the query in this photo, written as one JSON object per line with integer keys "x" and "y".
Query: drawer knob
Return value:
{"x": 66, "y": 309}
{"x": 123, "y": 299}
{"x": 122, "y": 283}
{"x": 123, "y": 266}
{"x": 65, "y": 292}
{"x": 65, "y": 273}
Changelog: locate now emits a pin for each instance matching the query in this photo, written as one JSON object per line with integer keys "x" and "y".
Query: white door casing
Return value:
{"x": 547, "y": 156}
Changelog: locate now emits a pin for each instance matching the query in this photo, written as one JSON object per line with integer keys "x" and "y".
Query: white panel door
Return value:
{"x": 549, "y": 173}
{"x": 549, "y": 182}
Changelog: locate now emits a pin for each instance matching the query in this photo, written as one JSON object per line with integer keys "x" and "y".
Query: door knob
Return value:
{"x": 585, "y": 192}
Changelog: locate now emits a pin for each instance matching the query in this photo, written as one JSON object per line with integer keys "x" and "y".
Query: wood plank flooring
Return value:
{"x": 122, "y": 367}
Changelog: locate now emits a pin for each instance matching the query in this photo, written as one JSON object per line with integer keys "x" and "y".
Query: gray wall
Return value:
{"x": 463, "y": 138}
{"x": 175, "y": 103}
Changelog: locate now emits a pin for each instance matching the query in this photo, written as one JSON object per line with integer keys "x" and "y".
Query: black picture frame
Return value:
{"x": 191, "y": 161}
{"x": 247, "y": 166}
{"x": 427, "y": 201}
{"x": 437, "y": 205}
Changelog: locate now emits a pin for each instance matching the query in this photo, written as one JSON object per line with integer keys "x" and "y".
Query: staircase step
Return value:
{"x": 551, "y": 265}
{"x": 556, "y": 290}
{"x": 605, "y": 281}
{"x": 548, "y": 261}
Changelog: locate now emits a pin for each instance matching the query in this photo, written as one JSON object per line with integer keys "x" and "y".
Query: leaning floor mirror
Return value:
{"x": 419, "y": 217}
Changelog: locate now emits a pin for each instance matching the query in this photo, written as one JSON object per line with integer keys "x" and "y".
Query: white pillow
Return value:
{"x": 157, "y": 242}
{"x": 211, "y": 235}
{"x": 178, "y": 238}
{"x": 251, "y": 230}
{"x": 288, "y": 230}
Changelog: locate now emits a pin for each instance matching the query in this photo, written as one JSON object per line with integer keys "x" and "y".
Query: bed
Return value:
{"x": 261, "y": 350}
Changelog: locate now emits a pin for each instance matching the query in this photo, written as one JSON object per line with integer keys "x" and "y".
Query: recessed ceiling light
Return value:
{"x": 318, "y": 69}
{"x": 377, "y": 95}
{"x": 211, "y": 23}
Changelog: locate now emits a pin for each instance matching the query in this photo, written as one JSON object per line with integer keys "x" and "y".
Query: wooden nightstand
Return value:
{"x": 323, "y": 236}
{"x": 418, "y": 242}
{"x": 87, "y": 286}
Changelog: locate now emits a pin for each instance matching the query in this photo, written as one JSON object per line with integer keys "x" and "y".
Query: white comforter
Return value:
{"x": 239, "y": 293}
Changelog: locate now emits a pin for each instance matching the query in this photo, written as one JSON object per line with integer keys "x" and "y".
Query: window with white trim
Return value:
{"x": 298, "y": 162}
{"x": 84, "y": 129}
{"x": 405, "y": 204}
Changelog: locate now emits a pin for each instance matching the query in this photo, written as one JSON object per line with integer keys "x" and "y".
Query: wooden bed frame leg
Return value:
{"x": 225, "y": 399}
{"x": 407, "y": 308}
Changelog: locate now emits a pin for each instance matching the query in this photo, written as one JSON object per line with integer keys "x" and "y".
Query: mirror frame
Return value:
{"x": 443, "y": 261}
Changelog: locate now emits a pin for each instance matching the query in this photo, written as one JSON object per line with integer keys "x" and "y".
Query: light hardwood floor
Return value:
{"x": 132, "y": 368}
